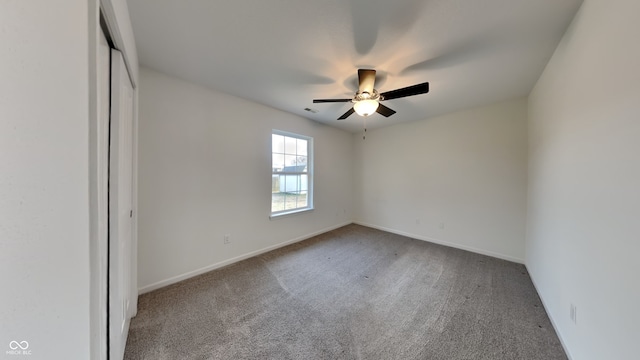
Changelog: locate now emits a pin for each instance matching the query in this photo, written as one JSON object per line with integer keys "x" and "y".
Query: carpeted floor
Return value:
{"x": 352, "y": 293}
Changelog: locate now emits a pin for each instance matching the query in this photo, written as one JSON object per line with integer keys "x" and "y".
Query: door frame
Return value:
{"x": 117, "y": 29}
{"x": 116, "y": 18}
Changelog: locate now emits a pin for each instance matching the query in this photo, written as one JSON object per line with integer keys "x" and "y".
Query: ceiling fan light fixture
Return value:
{"x": 366, "y": 107}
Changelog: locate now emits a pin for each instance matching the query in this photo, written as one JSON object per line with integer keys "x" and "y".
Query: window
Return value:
{"x": 291, "y": 173}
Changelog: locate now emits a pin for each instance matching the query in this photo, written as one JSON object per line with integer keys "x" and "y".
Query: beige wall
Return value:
{"x": 44, "y": 178}
{"x": 583, "y": 238}
{"x": 205, "y": 171}
{"x": 466, "y": 170}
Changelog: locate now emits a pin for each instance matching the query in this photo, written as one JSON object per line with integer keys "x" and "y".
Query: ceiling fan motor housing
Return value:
{"x": 367, "y": 96}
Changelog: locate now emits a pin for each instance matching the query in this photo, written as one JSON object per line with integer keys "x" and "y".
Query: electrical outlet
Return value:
{"x": 417, "y": 221}
{"x": 227, "y": 238}
{"x": 441, "y": 225}
{"x": 573, "y": 313}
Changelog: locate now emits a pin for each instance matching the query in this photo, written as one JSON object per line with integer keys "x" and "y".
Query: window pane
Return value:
{"x": 289, "y": 192}
{"x": 290, "y": 162}
{"x": 302, "y": 200}
{"x": 301, "y": 162}
{"x": 304, "y": 183}
{"x": 277, "y": 162}
{"x": 290, "y": 184}
{"x": 277, "y": 201}
{"x": 302, "y": 147}
{"x": 285, "y": 189}
{"x": 295, "y": 201}
{"x": 290, "y": 145}
{"x": 277, "y": 143}
{"x": 290, "y": 202}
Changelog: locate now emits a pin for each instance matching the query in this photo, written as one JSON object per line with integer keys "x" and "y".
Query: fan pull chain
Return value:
{"x": 364, "y": 125}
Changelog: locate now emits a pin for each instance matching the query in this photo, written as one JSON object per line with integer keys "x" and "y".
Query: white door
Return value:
{"x": 102, "y": 187}
{"x": 120, "y": 206}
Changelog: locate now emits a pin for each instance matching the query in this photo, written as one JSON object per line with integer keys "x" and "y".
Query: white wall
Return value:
{"x": 583, "y": 237}
{"x": 205, "y": 171}
{"x": 466, "y": 169}
{"x": 44, "y": 178}
{"x": 49, "y": 255}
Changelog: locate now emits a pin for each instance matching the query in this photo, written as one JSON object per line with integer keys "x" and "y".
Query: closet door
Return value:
{"x": 120, "y": 206}
{"x": 101, "y": 160}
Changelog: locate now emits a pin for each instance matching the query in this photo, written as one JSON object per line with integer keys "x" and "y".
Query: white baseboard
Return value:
{"x": 190, "y": 274}
{"x": 445, "y": 243}
{"x": 553, "y": 323}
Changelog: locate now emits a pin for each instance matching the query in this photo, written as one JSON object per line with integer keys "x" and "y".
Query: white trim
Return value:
{"x": 286, "y": 213}
{"x": 553, "y": 323}
{"x": 134, "y": 225}
{"x": 445, "y": 243}
{"x": 190, "y": 274}
{"x": 108, "y": 9}
{"x": 291, "y": 134}
{"x": 99, "y": 94}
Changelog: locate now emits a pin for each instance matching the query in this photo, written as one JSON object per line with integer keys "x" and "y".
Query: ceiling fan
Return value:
{"x": 367, "y": 100}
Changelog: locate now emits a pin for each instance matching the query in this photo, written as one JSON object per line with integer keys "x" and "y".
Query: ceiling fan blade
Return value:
{"x": 385, "y": 111}
{"x": 366, "y": 80}
{"x": 407, "y": 91}
{"x": 347, "y": 114}
{"x": 330, "y": 100}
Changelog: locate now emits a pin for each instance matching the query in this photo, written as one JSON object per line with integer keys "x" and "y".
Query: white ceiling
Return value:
{"x": 285, "y": 53}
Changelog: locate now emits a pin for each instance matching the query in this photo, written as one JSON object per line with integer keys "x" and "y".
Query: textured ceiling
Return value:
{"x": 285, "y": 53}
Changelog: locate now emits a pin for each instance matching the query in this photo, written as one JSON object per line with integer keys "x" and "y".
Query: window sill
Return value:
{"x": 289, "y": 213}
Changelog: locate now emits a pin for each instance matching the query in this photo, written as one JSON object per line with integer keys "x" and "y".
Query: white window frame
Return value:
{"x": 309, "y": 173}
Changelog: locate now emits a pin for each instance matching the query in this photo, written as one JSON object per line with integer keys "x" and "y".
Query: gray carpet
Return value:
{"x": 352, "y": 293}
